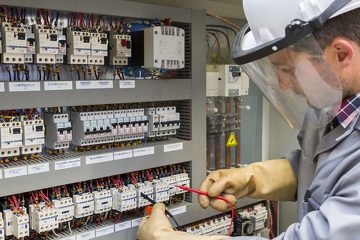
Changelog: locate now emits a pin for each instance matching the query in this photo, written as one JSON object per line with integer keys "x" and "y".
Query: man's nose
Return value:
{"x": 285, "y": 83}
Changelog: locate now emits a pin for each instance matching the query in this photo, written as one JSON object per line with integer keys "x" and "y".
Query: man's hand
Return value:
{"x": 272, "y": 180}
{"x": 157, "y": 227}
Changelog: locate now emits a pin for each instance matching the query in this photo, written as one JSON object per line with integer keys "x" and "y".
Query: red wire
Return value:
{"x": 200, "y": 192}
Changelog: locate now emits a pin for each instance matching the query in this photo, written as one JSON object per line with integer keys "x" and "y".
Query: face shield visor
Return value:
{"x": 292, "y": 72}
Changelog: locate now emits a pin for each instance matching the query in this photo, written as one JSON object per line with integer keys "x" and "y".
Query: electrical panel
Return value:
{"x": 159, "y": 47}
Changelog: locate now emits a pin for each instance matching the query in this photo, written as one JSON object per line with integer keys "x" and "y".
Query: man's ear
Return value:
{"x": 342, "y": 52}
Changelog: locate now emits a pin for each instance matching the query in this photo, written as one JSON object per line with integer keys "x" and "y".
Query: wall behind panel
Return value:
{"x": 282, "y": 139}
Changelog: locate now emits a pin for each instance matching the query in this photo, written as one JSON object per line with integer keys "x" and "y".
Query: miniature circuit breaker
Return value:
{"x": 14, "y": 44}
{"x": 43, "y": 218}
{"x": 120, "y": 49}
{"x": 159, "y": 47}
{"x": 66, "y": 209}
{"x": 33, "y": 135}
{"x": 163, "y": 121}
{"x": 58, "y": 131}
{"x": 79, "y": 46}
{"x": 84, "y": 205}
{"x": 99, "y": 49}
{"x": 125, "y": 198}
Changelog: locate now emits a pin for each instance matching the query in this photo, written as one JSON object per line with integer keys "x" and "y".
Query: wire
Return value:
{"x": 200, "y": 192}
{"x": 223, "y": 33}
{"x": 224, "y": 27}
{"x": 223, "y": 20}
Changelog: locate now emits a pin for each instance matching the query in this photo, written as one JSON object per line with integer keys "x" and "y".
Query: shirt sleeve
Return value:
{"x": 337, "y": 218}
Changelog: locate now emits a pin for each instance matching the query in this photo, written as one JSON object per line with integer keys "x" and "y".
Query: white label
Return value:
{"x": 173, "y": 147}
{"x": 136, "y": 222}
{"x": 86, "y": 236}
{"x": 122, "y": 226}
{"x": 38, "y": 168}
{"x": 106, "y": 157}
{"x": 58, "y": 85}
{"x": 104, "y": 231}
{"x": 65, "y": 164}
{"x": 143, "y": 151}
{"x": 15, "y": 172}
{"x": 178, "y": 210}
{"x": 127, "y": 84}
{"x": 2, "y": 87}
{"x": 123, "y": 154}
{"x": 94, "y": 84}
{"x": 69, "y": 238}
{"x": 1, "y": 174}
{"x": 24, "y": 86}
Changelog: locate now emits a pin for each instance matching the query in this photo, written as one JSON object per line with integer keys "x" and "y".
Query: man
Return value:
{"x": 298, "y": 49}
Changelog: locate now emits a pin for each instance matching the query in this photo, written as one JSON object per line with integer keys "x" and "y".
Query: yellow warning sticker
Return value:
{"x": 231, "y": 142}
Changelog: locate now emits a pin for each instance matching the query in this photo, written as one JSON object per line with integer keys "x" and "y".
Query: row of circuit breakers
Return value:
{"x": 43, "y": 213}
{"x": 26, "y": 134}
{"x": 153, "y": 47}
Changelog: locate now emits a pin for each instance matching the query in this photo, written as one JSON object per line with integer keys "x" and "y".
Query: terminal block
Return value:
{"x": 79, "y": 46}
{"x": 103, "y": 201}
{"x": 58, "y": 131}
{"x": 159, "y": 47}
{"x": 125, "y": 198}
{"x": 120, "y": 49}
{"x": 14, "y": 44}
{"x": 43, "y": 218}
{"x": 99, "y": 49}
{"x": 163, "y": 121}
{"x": 84, "y": 205}
{"x": 66, "y": 209}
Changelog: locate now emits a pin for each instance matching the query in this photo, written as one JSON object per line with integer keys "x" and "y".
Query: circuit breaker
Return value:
{"x": 16, "y": 223}
{"x": 47, "y": 45}
{"x": 43, "y": 218}
{"x": 163, "y": 121}
{"x": 65, "y": 207}
{"x": 84, "y": 205}
{"x": 79, "y": 46}
{"x": 99, "y": 49}
{"x": 33, "y": 136}
{"x": 103, "y": 200}
{"x": 58, "y": 131}
{"x": 147, "y": 189}
{"x": 226, "y": 81}
{"x": 14, "y": 43}
{"x": 124, "y": 199}
{"x": 159, "y": 47}
{"x": 120, "y": 49}
{"x": 161, "y": 191}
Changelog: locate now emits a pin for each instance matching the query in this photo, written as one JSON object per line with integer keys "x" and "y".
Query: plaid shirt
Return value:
{"x": 349, "y": 109}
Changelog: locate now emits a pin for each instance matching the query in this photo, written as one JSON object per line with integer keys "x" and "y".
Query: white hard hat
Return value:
{"x": 274, "y": 25}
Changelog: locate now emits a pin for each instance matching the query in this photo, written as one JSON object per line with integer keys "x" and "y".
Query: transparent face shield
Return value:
{"x": 295, "y": 78}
